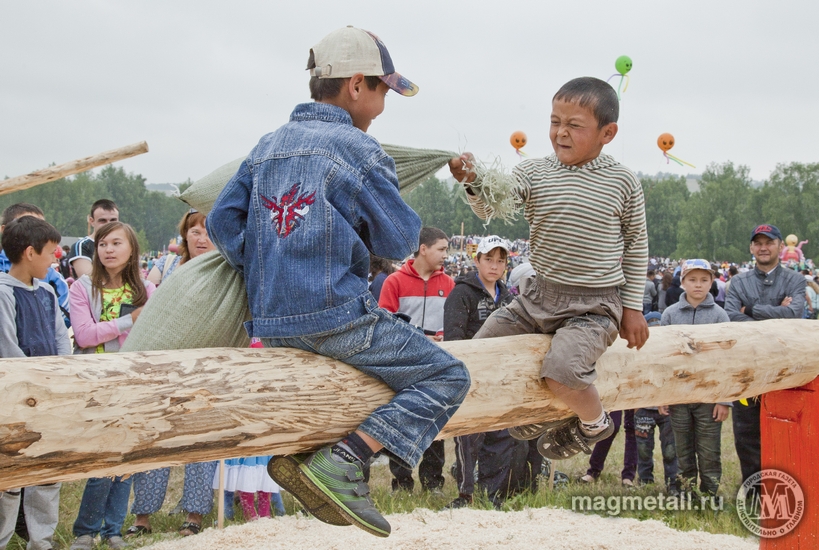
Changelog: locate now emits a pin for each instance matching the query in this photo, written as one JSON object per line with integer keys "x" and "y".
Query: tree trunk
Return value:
{"x": 64, "y": 418}
{"x": 53, "y": 173}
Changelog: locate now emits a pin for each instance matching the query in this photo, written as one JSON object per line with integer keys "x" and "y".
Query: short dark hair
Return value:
{"x": 429, "y": 236}
{"x": 19, "y": 209}
{"x": 593, "y": 93}
{"x": 27, "y": 231}
{"x": 328, "y": 88}
{"x": 103, "y": 204}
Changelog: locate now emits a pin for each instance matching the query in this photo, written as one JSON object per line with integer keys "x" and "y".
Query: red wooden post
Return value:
{"x": 789, "y": 427}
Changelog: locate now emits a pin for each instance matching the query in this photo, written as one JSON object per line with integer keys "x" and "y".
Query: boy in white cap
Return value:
{"x": 299, "y": 220}
{"x": 697, "y": 426}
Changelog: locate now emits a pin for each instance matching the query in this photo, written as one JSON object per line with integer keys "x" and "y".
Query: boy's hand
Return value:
{"x": 720, "y": 413}
{"x": 463, "y": 168}
{"x": 634, "y": 328}
{"x": 663, "y": 410}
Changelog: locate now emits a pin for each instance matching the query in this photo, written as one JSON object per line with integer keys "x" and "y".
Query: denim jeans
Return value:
{"x": 103, "y": 507}
{"x": 645, "y": 420}
{"x": 430, "y": 383}
{"x": 601, "y": 448}
{"x": 697, "y": 435}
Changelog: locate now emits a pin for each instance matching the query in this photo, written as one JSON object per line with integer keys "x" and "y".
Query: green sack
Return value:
{"x": 201, "y": 305}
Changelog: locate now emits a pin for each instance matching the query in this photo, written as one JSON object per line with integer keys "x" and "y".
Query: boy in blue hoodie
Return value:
{"x": 31, "y": 325}
{"x": 299, "y": 220}
{"x": 697, "y": 426}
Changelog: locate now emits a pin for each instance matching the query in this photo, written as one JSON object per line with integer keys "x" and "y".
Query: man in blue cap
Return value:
{"x": 766, "y": 292}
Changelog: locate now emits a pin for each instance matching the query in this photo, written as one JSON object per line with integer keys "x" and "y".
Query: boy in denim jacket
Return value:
{"x": 299, "y": 219}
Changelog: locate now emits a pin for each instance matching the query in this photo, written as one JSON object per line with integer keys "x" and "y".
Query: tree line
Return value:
{"x": 714, "y": 222}
{"x": 67, "y": 202}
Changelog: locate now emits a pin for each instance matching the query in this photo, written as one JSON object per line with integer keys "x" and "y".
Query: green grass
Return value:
{"x": 724, "y": 521}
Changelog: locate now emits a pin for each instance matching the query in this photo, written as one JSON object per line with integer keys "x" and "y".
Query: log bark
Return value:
{"x": 64, "y": 418}
{"x": 53, "y": 173}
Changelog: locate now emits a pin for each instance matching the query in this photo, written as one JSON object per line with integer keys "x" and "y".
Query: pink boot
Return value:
{"x": 264, "y": 504}
{"x": 248, "y": 507}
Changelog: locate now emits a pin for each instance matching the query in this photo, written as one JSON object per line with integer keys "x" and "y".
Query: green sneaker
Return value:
{"x": 285, "y": 471}
{"x": 342, "y": 483}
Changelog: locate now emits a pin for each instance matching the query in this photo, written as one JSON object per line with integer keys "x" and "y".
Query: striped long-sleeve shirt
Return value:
{"x": 587, "y": 224}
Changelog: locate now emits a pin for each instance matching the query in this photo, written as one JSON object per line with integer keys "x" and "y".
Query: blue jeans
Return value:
{"x": 103, "y": 507}
{"x": 645, "y": 420}
{"x": 430, "y": 383}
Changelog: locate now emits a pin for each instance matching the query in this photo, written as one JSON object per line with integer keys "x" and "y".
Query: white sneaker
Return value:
{"x": 83, "y": 542}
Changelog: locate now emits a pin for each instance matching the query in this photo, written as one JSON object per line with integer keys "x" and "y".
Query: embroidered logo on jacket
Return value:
{"x": 288, "y": 213}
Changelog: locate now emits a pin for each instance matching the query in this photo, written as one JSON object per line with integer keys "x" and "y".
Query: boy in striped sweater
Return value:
{"x": 589, "y": 249}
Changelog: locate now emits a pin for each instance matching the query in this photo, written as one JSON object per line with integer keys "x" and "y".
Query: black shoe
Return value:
{"x": 460, "y": 502}
{"x": 533, "y": 431}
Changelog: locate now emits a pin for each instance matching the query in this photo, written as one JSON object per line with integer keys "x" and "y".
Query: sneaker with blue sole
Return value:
{"x": 341, "y": 482}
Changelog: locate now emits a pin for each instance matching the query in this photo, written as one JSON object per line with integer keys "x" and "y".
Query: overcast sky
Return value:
{"x": 202, "y": 81}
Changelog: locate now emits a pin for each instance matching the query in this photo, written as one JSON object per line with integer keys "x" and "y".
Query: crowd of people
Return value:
{"x": 338, "y": 204}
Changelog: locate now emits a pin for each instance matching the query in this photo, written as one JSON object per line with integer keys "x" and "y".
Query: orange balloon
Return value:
{"x": 518, "y": 140}
{"x": 665, "y": 141}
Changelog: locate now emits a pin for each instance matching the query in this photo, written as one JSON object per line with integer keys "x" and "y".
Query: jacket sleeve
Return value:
{"x": 389, "y": 294}
{"x": 9, "y": 346}
{"x": 88, "y": 332}
{"x": 227, "y": 221}
{"x": 393, "y": 227}
{"x": 795, "y": 288}
{"x": 456, "y": 315}
{"x": 733, "y": 301}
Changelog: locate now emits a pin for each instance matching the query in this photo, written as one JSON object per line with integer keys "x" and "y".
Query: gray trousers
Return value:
{"x": 41, "y": 505}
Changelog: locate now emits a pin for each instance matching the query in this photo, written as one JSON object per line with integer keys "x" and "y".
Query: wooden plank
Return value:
{"x": 64, "y": 418}
{"x": 53, "y": 173}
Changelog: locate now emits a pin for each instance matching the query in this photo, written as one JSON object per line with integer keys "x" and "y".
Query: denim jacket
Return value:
{"x": 300, "y": 218}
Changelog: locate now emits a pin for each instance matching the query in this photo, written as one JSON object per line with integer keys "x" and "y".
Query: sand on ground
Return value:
{"x": 463, "y": 529}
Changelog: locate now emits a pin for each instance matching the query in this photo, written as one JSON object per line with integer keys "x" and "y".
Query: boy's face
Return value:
{"x": 42, "y": 261}
{"x": 435, "y": 254}
{"x": 575, "y": 136}
{"x": 368, "y": 104}
{"x": 697, "y": 284}
{"x": 491, "y": 265}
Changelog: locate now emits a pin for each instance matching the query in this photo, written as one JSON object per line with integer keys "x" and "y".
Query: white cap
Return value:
{"x": 349, "y": 51}
{"x": 490, "y": 243}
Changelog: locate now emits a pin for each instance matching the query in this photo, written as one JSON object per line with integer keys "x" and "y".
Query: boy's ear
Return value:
{"x": 29, "y": 253}
{"x": 609, "y": 131}
{"x": 355, "y": 84}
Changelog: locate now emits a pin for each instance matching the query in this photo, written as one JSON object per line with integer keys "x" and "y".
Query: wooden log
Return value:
{"x": 64, "y": 418}
{"x": 53, "y": 173}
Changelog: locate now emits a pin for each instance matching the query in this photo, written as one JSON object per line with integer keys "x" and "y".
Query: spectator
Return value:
{"x": 419, "y": 290}
{"x": 697, "y": 426}
{"x": 769, "y": 291}
{"x": 82, "y": 253}
{"x": 104, "y": 307}
{"x": 31, "y": 325}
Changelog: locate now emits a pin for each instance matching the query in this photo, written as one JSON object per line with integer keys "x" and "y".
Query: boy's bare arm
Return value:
{"x": 634, "y": 328}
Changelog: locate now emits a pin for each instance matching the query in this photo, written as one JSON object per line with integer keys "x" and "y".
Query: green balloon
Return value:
{"x": 623, "y": 64}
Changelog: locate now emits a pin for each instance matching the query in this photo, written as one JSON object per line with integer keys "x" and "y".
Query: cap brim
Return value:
{"x": 399, "y": 84}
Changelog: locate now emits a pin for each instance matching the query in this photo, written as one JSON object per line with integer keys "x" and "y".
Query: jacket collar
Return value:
{"x": 409, "y": 269}
{"x": 322, "y": 112}
{"x": 708, "y": 302}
